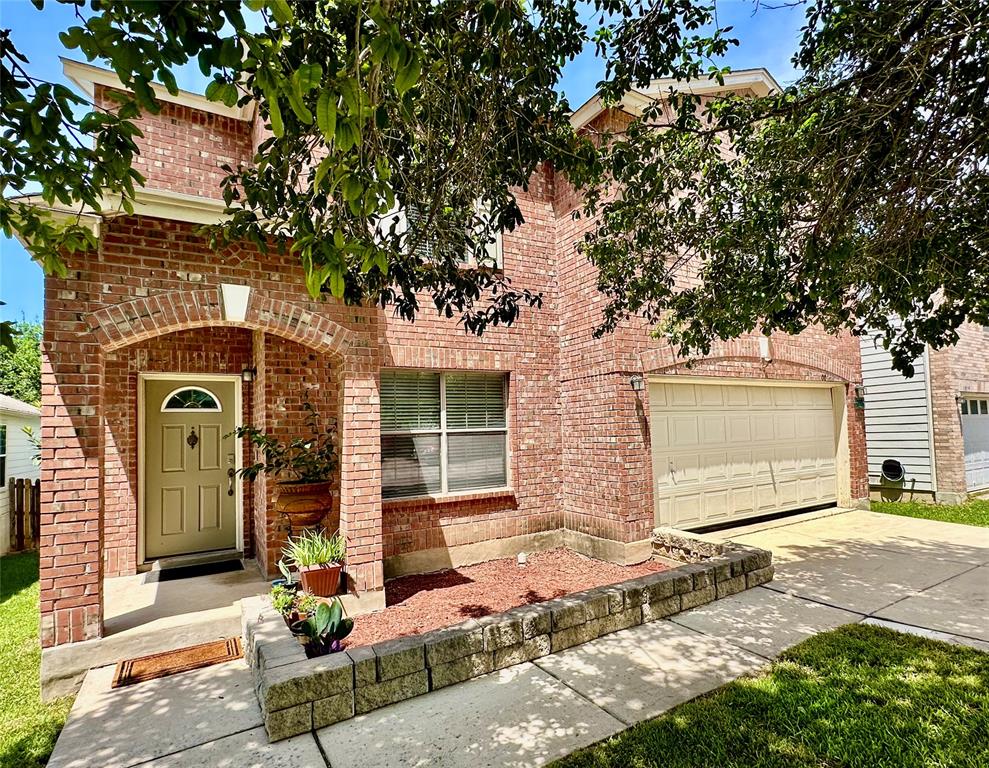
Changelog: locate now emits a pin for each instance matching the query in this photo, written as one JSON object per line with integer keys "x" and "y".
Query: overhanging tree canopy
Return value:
{"x": 402, "y": 131}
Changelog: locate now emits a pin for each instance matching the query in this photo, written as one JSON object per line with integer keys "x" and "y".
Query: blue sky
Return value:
{"x": 767, "y": 38}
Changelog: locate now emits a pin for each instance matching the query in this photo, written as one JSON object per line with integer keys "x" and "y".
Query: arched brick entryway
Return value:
{"x": 143, "y": 318}
{"x": 76, "y": 437}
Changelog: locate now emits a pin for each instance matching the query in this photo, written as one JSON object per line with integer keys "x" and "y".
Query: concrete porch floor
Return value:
{"x": 142, "y": 616}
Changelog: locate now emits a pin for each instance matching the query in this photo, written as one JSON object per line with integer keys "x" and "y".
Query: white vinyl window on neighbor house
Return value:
{"x": 442, "y": 432}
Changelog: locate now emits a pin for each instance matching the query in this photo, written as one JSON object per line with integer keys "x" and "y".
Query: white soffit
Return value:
{"x": 87, "y": 77}
{"x": 235, "y": 301}
{"x": 759, "y": 81}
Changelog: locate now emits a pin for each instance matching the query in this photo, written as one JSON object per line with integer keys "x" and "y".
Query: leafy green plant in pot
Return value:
{"x": 325, "y": 630}
{"x": 319, "y": 559}
{"x": 304, "y": 467}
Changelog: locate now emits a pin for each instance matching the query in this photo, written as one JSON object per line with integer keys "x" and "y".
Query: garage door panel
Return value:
{"x": 760, "y": 396}
{"x": 762, "y": 462}
{"x": 736, "y": 397}
{"x": 713, "y": 430}
{"x": 788, "y": 492}
{"x": 743, "y": 500}
{"x": 777, "y": 451}
{"x": 681, "y": 395}
{"x": 686, "y": 509}
{"x": 782, "y": 396}
{"x": 716, "y": 505}
{"x": 660, "y": 432}
{"x": 714, "y": 467}
{"x": 784, "y": 459}
{"x": 763, "y": 427}
{"x": 739, "y": 428}
{"x": 785, "y": 425}
{"x": 683, "y": 431}
{"x": 709, "y": 396}
{"x": 740, "y": 465}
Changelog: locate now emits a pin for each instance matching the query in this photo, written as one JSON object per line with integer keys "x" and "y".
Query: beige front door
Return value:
{"x": 190, "y": 502}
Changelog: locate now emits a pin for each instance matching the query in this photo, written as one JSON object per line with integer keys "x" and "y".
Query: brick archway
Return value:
{"x": 123, "y": 324}
{"x": 665, "y": 359}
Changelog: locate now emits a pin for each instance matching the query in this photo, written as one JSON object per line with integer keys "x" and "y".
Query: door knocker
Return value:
{"x": 193, "y": 438}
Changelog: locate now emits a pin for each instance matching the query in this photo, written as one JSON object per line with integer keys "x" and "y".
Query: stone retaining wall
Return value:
{"x": 299, "y": 694}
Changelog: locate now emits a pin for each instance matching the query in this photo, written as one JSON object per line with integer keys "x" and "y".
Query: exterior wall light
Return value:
{"x": 638, "y": 383}
{"x": 248, "y": 374}
{"x": 860, "y": 396}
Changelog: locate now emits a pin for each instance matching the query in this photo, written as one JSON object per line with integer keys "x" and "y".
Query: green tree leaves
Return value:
{"x": 403, "y": 132}
{"x": 20, "y": 362}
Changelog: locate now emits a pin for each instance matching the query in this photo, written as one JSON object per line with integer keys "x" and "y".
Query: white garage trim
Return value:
{"x": 726, "y": 449}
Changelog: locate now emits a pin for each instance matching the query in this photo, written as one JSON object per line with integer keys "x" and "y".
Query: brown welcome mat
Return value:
{"x": 156, "y": 665}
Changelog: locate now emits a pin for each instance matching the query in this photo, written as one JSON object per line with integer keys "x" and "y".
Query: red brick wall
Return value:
{"x": 182, "y": 148}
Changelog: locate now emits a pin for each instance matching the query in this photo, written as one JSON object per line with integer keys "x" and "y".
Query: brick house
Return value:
{"x": 934, "y": 426}
{"x": 453, "y": 449}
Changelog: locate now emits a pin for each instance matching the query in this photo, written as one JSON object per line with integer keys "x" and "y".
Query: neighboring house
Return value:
{"x": 931, "y": 429}
{"x": 453, "y": 448}
{"x": 17, "y": 454}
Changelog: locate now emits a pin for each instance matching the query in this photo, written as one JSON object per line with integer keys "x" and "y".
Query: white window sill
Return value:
{"x": 450, "y": 498}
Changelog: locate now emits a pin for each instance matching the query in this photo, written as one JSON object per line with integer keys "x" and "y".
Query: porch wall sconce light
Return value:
{"x": 860, "y": 396}
{"x": 248, "y": 374}
{"x": 638, "y": 383}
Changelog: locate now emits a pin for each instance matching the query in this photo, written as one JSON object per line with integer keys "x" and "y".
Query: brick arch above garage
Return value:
{"x": 787, "y": 360}
{"x": 129, "y": 322}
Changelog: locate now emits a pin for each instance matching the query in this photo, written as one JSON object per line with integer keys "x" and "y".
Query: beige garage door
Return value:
{"x": 724, "y": 452}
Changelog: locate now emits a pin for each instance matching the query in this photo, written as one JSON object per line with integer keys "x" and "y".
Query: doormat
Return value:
{"x": 189, "y": 571}
{"x": 157, "y": 665}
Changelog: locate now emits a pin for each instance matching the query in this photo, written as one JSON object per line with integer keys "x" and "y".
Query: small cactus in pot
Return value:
{"x": 324, "y": 631}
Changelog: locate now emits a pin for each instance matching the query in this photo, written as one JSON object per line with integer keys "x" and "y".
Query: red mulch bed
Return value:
{"x": 418, "y": 604}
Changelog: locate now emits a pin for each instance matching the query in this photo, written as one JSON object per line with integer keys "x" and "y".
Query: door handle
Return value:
{"x": 230, "y": 481}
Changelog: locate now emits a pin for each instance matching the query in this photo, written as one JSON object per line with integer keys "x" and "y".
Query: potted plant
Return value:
{"x": 283, "y": 600}
{"x": 287, "y": 581}
{"x": 305, "y": 466}
{"x": 319, "y": 560}
{"x": 324, "y": 631}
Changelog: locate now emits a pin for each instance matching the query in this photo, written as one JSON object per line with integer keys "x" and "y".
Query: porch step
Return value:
{"x": 199, "y": 558}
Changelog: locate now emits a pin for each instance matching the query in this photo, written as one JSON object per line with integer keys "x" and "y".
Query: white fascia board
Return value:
{"x": 87, "y": 77}
{"x": 156, "y": 203}
{"x": 759, "y": 81}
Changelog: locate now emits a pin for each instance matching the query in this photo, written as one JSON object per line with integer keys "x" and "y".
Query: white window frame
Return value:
{"x": 444, "y": 433}
{"x": 174, "y": 392}
{"x": 495, "y": 258}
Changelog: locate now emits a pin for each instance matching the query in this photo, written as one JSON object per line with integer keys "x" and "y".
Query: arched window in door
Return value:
{"x": 190, "y": 399}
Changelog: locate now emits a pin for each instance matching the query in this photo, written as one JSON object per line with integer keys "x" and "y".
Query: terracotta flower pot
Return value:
{"x": 306, "y": 505}
{"x": 321, "y": 580}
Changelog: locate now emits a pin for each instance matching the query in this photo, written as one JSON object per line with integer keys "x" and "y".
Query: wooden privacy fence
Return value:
{"x": 24, "y": 499}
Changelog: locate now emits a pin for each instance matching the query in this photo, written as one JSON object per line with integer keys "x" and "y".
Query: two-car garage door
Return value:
{"x": 724, "y": 452}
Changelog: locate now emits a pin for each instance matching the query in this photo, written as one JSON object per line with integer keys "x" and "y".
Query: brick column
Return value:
{"x": 360, "y": 468}
{"x": 71, "y": 543}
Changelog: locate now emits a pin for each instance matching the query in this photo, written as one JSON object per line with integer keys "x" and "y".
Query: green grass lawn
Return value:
{"x": 857, "y": 696}
{"x": 972, "y": 512}
{"x": 28, "y": 728}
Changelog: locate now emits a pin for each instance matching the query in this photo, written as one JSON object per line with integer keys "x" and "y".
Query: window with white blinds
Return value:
{"x": 442, "y": 432}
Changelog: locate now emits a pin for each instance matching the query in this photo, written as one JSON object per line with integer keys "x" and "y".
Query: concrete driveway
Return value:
{"x": 832, "y": 569}
{"x": 921, "y": 573}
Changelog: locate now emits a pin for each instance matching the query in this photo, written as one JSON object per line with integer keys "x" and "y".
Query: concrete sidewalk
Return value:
{"x": 831, "y": 570}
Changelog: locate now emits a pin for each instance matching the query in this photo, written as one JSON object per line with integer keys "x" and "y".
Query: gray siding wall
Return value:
{"x": 897, "y": 414}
